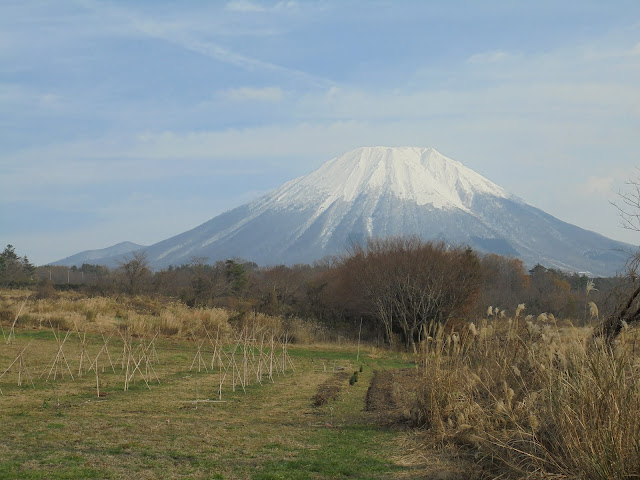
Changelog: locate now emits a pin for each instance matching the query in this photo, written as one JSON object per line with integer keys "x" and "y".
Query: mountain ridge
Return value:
{"x": 96, "y": 256}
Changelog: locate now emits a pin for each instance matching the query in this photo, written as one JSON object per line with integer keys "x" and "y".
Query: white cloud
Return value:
{"x": 184, "y": 34}
{"x": 512, "y": 99}
{"x": 494, "y": 56}
{"x": 225, "y": 55}
{"x": 28, "y": 98}
{"x": 597, "y": 185}
{"x": 137, "y": 218}
{"x": 50, "y": 100}
{"x": 286, "y": 4}
{"x": 598, "y": 53}
{"x": 154, "y": 155}
{"x": 244, "y": 6}
{"x": 253, "y": 7}
{"x": 266, "y": 94}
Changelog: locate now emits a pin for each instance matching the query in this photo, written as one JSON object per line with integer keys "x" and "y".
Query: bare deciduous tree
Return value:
{"x": 628, "y": 205}
{"x": 135, "y": 270}
{"x": 405, "y": 283}
{"x": 628, "y": 310}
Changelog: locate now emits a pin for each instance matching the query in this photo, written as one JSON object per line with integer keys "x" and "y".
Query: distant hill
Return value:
{"x": 103, "y": 256}
{"x": 381, "y": 192}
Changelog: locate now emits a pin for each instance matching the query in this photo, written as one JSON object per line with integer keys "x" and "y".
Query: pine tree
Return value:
{"x": 28, "y": 268}
{"x": 14, "y": 269}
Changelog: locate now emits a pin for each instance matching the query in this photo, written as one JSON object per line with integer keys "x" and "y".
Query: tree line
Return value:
{"x": 394, "y": 287}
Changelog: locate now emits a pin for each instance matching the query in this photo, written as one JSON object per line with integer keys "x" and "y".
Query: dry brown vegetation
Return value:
{"x": 140, "y": 315}
{"x": 533, "y": 400}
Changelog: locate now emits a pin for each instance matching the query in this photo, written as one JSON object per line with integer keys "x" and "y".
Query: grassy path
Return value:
{"x": 272, "y": 431}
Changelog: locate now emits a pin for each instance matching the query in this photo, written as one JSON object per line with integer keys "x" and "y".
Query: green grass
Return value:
{"x": 345, "y": 443}
{"x": 61, "y": 430}
{"x": 352, "y": 451}
{"x": 33, "y": 334}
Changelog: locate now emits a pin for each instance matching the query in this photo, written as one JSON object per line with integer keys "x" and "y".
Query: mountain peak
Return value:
{"x": 420, "y": 175}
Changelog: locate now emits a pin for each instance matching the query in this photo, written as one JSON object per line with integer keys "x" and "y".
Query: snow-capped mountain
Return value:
{"x": 380, "y": 192}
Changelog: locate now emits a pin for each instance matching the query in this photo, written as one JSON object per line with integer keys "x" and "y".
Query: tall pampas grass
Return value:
{"x": 534, "y": 401}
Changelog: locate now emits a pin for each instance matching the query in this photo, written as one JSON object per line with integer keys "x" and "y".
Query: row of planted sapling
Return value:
{"x": 256, "y": 354}
{"x": 227, "y": 359}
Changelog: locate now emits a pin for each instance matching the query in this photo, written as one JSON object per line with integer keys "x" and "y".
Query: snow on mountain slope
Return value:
{"x": 420, "y": 175}
{"x": 381, "y": 192}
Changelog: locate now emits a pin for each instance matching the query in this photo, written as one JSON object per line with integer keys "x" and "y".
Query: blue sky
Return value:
{"x": 140, "y": 120}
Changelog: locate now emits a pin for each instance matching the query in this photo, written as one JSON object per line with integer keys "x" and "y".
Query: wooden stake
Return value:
{"x": 12, "y": 333}
{"x": 83, "y": 349}
{"x": 359, "y": 332}
{"x": 97, "y": 378}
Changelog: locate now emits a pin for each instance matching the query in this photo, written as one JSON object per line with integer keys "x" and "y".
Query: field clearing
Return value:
{"x": 62, "y": 429}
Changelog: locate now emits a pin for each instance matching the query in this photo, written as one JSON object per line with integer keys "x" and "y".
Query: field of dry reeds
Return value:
{"x": 532, "y": 399}
{"x": 140, "y": 315}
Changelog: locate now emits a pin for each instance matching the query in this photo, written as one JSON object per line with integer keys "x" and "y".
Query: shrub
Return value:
{"x": 304, "y": 331}
{"x": 59, "y": 323}
{"x": 45, "y": 290}
{"x": 6, "y": 315}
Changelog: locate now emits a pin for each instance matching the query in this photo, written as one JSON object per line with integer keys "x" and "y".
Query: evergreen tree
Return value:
{"x": 28, "y": 268}
{"x": 14, "y": 269}
{"x": 236, "y": 276}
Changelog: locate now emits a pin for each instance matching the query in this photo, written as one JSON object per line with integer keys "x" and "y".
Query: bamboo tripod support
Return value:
{"x": 22, "y": 368}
